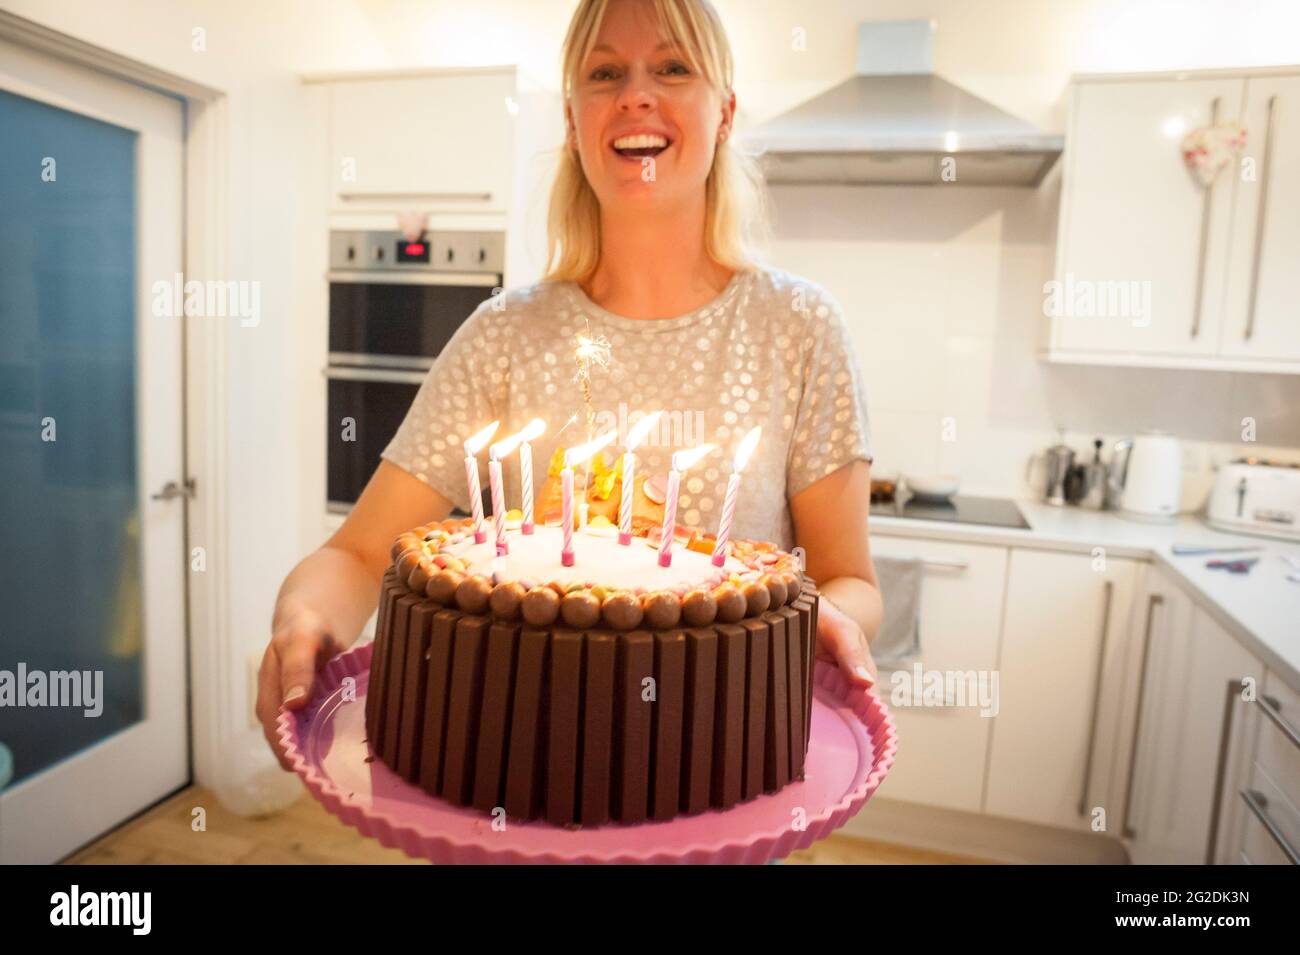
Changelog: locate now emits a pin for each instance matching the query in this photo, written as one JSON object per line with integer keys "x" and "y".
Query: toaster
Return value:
{"x": 1253, "y": 496}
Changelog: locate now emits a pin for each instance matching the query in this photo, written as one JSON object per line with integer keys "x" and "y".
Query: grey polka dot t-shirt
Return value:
{"x": 772, "y": 350}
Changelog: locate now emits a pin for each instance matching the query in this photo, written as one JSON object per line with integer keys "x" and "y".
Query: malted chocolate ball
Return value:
{"x": 775, "y": 590}
{"x": 404, "y": 542}
{"x": 580, "y": 609}
{"x": 731, "y": 602}
{"x": 663, "y": 609}
{"x": 407, "y": 563}
{"x": 506, "y": 600}
{"x": 757, "y": 598}
{"x": 421, "y": 575}
{"x": 442, "y": 586}
{"x": 540, "y": 607}
{"x": 793, "y": 586}
{"x": 621, "y": 610}
{"x": 699, "y": 609}
{"x": 473, "y": 593}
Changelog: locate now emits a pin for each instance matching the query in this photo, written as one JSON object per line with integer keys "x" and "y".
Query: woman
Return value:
{"x": 648, "y": 214}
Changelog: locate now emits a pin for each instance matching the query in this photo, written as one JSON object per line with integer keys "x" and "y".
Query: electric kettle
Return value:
{"x": 1146, "y": 475}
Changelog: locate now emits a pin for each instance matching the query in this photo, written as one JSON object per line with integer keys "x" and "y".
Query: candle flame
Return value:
{"x": 684, "y": 459}
{"x": 582, "y": 452}
{"x": 641, "y": 429}
{"x": 475, "y": 444}
{"x": 746, "y": 449}
{"x": 508, "y": 444}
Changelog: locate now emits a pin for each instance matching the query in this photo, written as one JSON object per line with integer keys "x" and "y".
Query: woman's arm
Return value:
{"x": 830, "y": 524}
{"x": 327, "y": 598}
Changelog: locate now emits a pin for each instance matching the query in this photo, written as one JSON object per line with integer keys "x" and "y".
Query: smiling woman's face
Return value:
{"x": 646, "y": 120}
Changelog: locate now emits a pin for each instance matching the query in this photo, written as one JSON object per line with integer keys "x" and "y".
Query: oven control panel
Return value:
{"x": 383, "y": 251}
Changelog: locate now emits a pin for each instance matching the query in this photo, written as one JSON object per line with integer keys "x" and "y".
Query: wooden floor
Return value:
{"x": 306, "y": 833}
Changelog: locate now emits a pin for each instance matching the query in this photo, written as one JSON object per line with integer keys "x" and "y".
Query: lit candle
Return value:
{"x": 530, "y": 433}
{"x": 472, "y": 447}
{"x": 738, "y": 463}
{"x": 571, "y": 457}
{"x": 498, "y": 451}
{"x": 681, "y": 461}
{"x": 634, "y": 438}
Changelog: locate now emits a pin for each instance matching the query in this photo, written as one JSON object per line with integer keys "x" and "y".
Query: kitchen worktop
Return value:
{"x": 1260, "y": 608}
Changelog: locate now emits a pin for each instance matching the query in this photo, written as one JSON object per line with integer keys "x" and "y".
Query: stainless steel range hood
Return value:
{"x": 896, "y": 123}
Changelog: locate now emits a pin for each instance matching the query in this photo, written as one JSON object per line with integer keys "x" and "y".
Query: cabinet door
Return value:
{"x": 1142, "y": 247}
{"x": 943, "y": 749}
{"x": 1262, "y": 319}
{"x": 1179, "y": 761}
{"x": 1066, "y": 629}
{"x": 441, "y": 142}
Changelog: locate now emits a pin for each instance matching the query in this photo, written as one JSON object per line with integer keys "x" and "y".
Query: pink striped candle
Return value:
{"x": 571, "y": 457}
{"x": 628, "y": 481}
{"x": 498, "y": 502}
{"x": 472, "y": 447}
{"x": 681, "y": 461}
{"x": 743, "y": 453}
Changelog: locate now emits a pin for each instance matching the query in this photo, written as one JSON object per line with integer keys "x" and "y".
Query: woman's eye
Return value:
{"x": 677, "y": 69}
{"x": 603, "y": 73}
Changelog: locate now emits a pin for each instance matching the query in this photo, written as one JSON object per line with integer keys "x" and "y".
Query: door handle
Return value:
{"x": 172, "y": 490}
{"x": 1109, "y": 591}
{"x": 1126, "y": 830}
{"x": 1207, "y": 200}
{"x": 1261, "y": 217}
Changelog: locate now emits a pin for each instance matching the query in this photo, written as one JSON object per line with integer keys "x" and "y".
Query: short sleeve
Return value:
{"x": 463, "y": 391}
{"x": 830, "y": 427}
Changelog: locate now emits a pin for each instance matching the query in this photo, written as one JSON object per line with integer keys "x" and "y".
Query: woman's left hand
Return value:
{"x": 841, "y": 641}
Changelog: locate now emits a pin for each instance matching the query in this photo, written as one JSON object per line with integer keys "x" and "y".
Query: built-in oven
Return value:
{"x": 394, "y": 303}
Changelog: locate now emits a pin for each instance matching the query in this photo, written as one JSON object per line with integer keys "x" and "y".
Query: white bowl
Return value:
{"x": 937, "y": 487}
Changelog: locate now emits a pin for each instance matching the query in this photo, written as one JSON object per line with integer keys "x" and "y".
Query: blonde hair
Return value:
{"x": 735, "y": 204}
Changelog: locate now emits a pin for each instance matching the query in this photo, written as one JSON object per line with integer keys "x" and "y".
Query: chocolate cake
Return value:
{"x": 615, "y": 690}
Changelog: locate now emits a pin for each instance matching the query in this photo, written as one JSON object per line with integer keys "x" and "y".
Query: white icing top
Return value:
{"x": 598, "y": 559}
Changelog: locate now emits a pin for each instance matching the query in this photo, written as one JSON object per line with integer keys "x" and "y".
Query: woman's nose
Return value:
{"x": 637, "y": 92}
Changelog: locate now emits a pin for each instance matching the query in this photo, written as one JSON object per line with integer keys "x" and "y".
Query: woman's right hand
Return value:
{"x": 300, "y": 644}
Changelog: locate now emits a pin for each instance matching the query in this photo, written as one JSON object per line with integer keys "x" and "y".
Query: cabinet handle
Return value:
{"x": 1096, "y": 698}
{"x": 1225, "y": 735}
{"x": 1259, "y": 806}
{"x": 1206, "y": 199}
{"x": 1127, "y": 831}
{"x": 1273, "y": 712}
{"x": 1262, "y": 216}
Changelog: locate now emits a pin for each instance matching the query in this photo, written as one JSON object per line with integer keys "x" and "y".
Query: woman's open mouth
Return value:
{"x": 640, "y": 145}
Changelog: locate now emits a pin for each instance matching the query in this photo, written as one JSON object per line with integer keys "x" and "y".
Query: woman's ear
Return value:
{"x": 570, "y": 130}
{"x": 728, "y": 115}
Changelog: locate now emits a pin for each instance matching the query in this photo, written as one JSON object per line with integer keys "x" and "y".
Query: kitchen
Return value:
{"x": 318, "y": 143}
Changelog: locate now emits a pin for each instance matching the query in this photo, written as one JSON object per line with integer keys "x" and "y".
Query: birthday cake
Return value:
{"x": 604, "y": 687}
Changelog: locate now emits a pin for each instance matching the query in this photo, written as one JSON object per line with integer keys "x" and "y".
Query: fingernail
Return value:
{"x": 294, "y": 694}
{"x": 864, "y": 675}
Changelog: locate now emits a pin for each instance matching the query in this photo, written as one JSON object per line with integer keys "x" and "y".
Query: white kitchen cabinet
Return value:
{"x": 1190, "y": 662}
{"x": 1133, "y": 218}
{"x": 942, "y": 757}
{"x": 1262, "y": 320}
{"x": 1268, "y": 829}
{"x": 1155, "y": 270}
{"x": 434, "y": 140}
{"x": 1064, "y": 645}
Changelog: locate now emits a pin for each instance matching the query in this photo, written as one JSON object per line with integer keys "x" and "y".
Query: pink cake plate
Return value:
{"x": 851, "y": 748}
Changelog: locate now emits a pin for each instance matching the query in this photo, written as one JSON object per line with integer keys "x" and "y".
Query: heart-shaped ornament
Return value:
{"x": 1209, "y": 150}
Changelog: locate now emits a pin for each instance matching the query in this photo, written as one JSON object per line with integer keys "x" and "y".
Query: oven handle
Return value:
{"x": 390, "y": 375}
{"x": 378, "y": 277}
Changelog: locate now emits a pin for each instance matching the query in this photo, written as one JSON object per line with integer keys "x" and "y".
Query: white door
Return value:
{"x": 1262, "y": 319}
{"x": 93, "y": 726}
{"x": 960, "y": 618}
{"x": 1064, "y": 640}
{"x": 1142, "y": 246}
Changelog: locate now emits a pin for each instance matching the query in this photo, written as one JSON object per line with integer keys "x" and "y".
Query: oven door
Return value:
{"x": 400, "y": 319}
{"x": 366, "y": 405}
